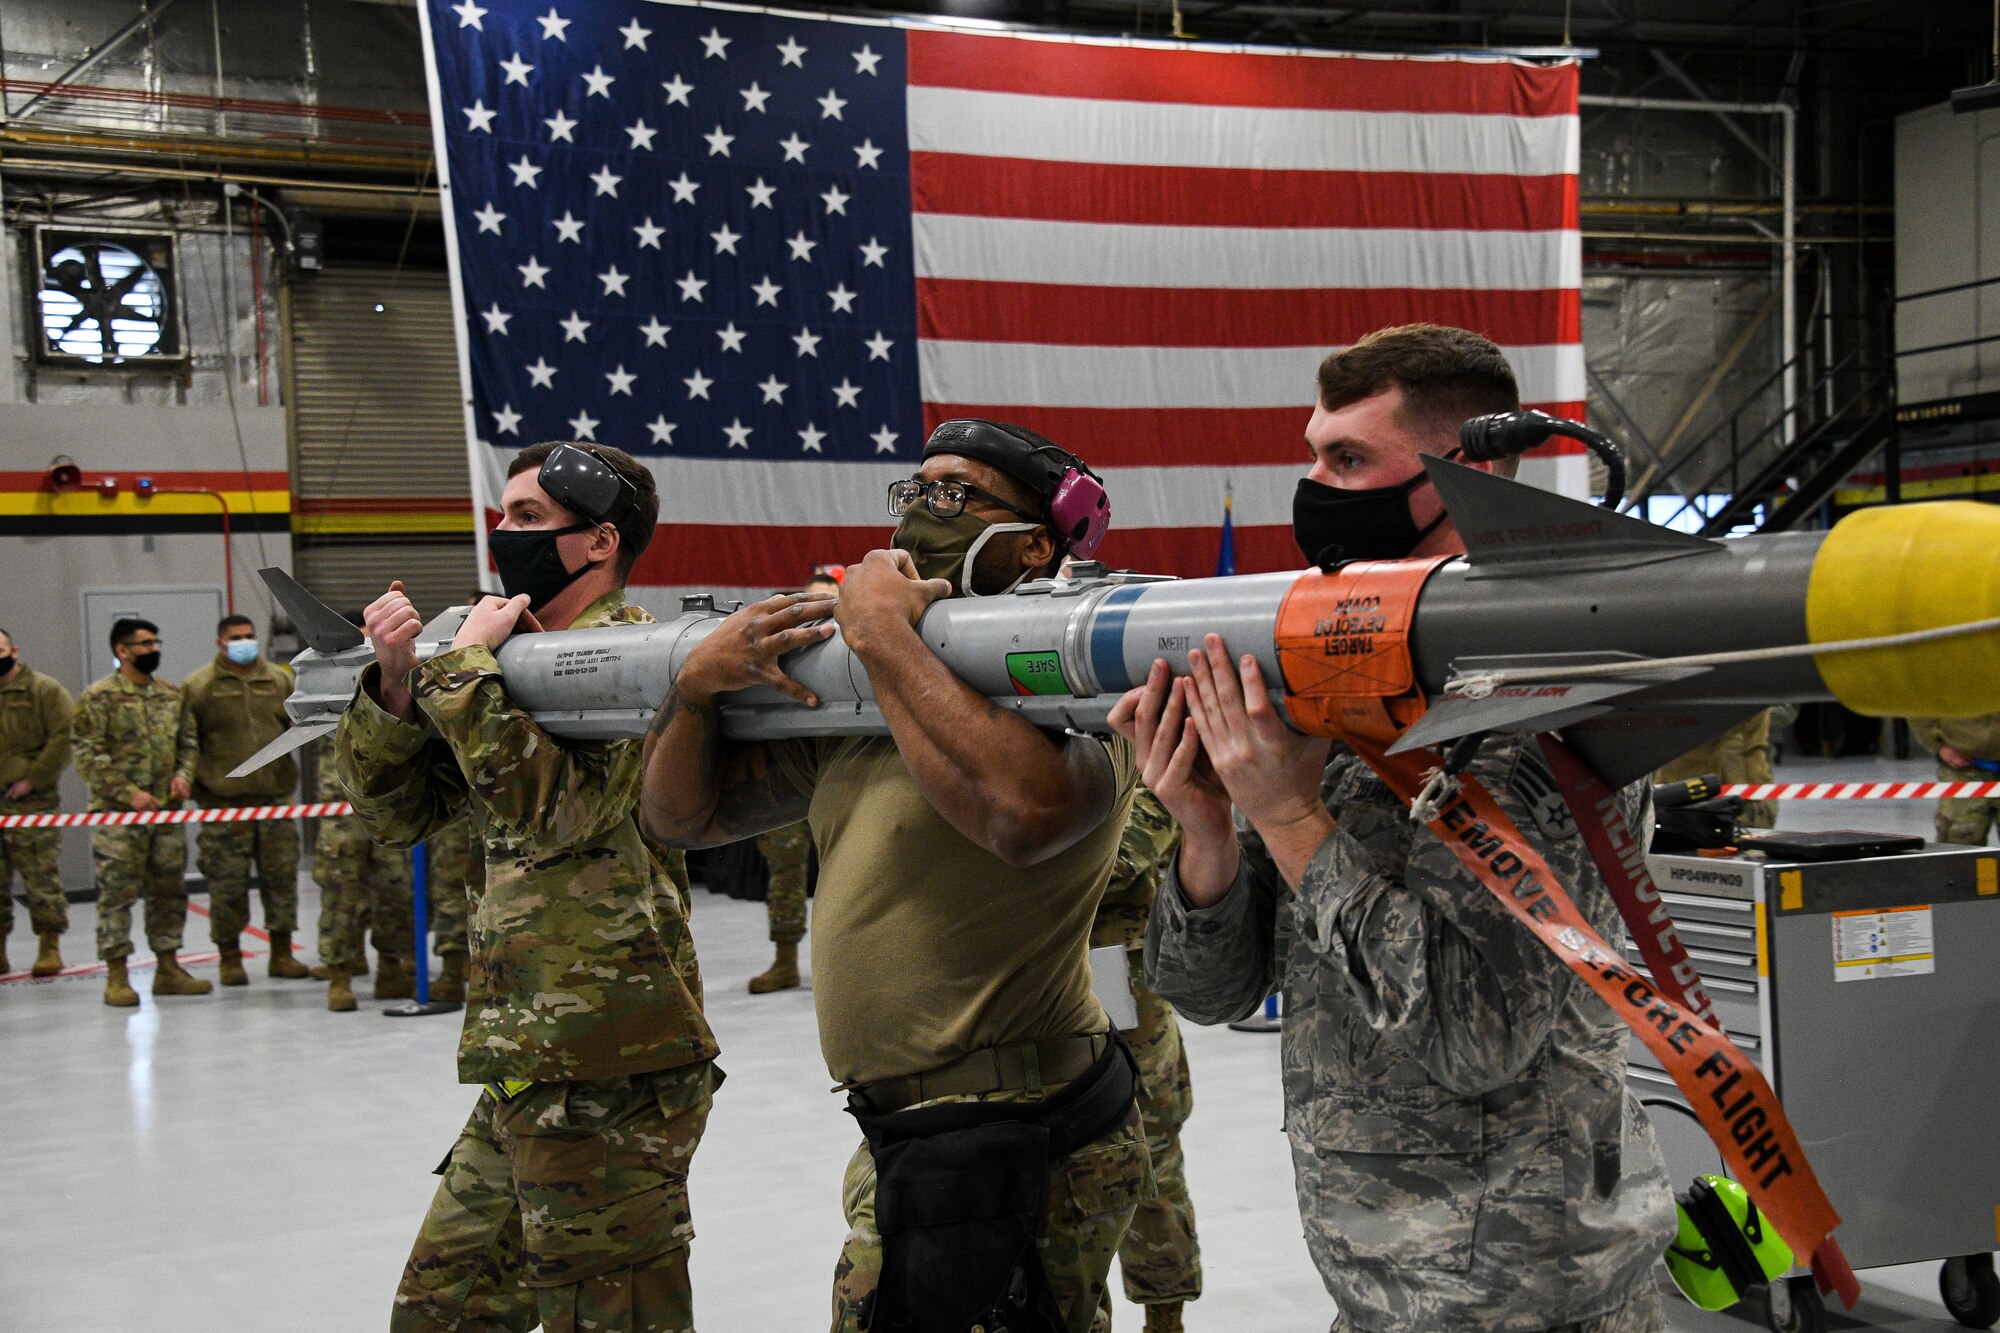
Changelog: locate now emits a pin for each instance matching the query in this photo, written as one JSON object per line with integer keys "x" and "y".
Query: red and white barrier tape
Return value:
{"x": 226, "y": 814}
{"x": 1859, "y": 791}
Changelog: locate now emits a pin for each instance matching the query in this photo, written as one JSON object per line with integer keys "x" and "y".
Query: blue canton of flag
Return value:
{"x": 681, "y": 231}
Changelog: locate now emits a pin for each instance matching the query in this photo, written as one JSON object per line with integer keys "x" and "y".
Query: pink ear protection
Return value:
{"x": 1081, "y": 511}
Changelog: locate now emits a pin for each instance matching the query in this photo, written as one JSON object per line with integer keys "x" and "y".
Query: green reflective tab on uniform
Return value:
{"x": 1037, "y": 673}
{"x": 507, "y": 1090}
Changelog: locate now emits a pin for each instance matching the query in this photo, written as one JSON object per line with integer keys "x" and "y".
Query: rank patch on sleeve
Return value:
{"x": 1534, "y": 786}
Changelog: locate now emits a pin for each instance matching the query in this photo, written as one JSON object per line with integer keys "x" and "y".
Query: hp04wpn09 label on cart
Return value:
{"x": 1894, "y": 943}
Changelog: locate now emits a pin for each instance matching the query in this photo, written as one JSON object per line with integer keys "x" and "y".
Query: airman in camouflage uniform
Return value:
{"x": 1740, "y": 754}
{"x": 135, "y": 748}
{"x": 238, "y": 709}
{"x": 1467, "y": 1155}
{"x": 364, "y": 888}
{"x": 786, "y": 851}
{"x": 457, "y": 879}
{"x": 1160, "y": 1257}
{"x": 565, "y": 1199}
{"x": 1958, "y": 742}
{"x": 34, "y": 748}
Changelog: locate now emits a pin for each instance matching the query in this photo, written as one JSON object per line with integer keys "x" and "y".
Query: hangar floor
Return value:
{"x": 247, "y": 1160}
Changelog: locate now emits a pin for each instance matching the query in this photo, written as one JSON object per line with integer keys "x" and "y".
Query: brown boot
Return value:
{"x": 784, "y": 973}
{"x": 339, "y": 992}
{"x": 282, "y": 962}
{"x": 118, "y": 992}
{"x": 1164, "y": 1318}
{"x": 393, "y": 980}
{"x": 231, "y": 972}
{"x": 170, "y": 978}
{"x": 49, "y": 961}
{"x": 450, "y": 986}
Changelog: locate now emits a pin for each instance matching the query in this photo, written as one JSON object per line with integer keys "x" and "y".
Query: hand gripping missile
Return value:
{"x": 1637, "y": 642}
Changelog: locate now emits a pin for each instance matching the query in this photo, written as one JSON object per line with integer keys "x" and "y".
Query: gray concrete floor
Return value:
{"x": 247, "y": 1160}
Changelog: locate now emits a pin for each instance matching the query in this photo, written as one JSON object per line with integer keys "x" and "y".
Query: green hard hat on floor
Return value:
{"x": 1722, "y": 1248}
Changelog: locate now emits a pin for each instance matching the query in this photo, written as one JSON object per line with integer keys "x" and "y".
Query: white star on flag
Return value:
{"x": 606, "y": 181}
{"x": 753, "y": 97}
{"x": 843, "y": 299}
{"x": 684, "y": 188}
{"x": 715, "y": 44}
{"x": 731, "y": 337}
{"x": 871, "y": 253}
{"x": 697, "y": 384}
{"x": 865, "y": 61}
{"x": 738, "y": 433}
{"x": 553, "y": 26}
{"x": 718, "y": 142}
{"x": 635, "y": 35}
{"x": 663, "y": 429}
{"x": 848, "y": 392}
{"x": 760, "y": 193}
{"x": 677, "y": 91}
{"x": 490, "y": 218}
{"x": 793, "y": 53}
{"x": 868, "y": 154}
{"x": 802, "y": 247}
{"x": 725, "y": 239}
{"x": 560, "y": 127}
{"x": 807, "y": 342}
{"x": 574, "y": 328}
{"x": 525, "y": 172}
{"x": 599, "y": 83}
{"x": 641, "y": 135}
{"x": 885, "y": 440}
{"x": 532, "y": 273}
{"x": 810, "y": 437}
{"x": 621, "y": 380}
{"x": 656, "y": 332}
{"x": 585, "y": 426}
{"x": 507, "y": 421}
{"x": 767, "y": 291}
{"x": 649, "y": 235}
{"x": 830, "y": 106}
{"x": 569, "y": 227}
{"x": 795, "y": 147}
{"x": 774, "y": 392}
{"x": 478, "y": 119}
{"x": 836, "y": 202}
{"x": 542, "y": 373}
{"x": 496, "y": 319}
{"x": 878, "y": 347}
{"x": 614, "y": 281}
{"x": 469, "y": 15}
{"x": 517, "y": 69}
{"x": 690, "y": 286}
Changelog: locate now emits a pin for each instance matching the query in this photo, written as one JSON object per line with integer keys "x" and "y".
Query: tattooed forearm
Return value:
{"x": 683, "y": 763}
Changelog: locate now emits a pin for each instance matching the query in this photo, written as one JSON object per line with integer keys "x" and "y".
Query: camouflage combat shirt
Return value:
{"x": 582, "y": 966}
{"x": 132, "y": 738}
{"x": 1466, "y": 1154}
{"x": 34, "y": 738}
{"x": 1151, "y": 836}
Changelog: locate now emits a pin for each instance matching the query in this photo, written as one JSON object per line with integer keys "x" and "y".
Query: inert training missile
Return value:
{"x": 1561, "y": 616}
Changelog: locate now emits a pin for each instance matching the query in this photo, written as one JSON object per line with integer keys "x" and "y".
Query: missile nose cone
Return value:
{"x": 1902, "y": 568}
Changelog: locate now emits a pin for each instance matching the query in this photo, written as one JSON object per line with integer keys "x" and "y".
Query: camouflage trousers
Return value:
{"x": 457, "y": 870}
{"x": 1160, "y": 1260}
{"x": 31, "y": 853}
{"x": 1092, "y": 1196}
{"x": 1641, "y": 1314}
{"x": 785, "y": 851}
{"x": 225, "y": 854}
{"x": 364, "y": 887}
{"x": 567, "y": 1208}
{"x": 1965, "y": 821}
{"x": 134, "y": 863}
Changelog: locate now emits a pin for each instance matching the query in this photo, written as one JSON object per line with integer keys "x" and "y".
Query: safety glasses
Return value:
{"x": 585, "y": 484}
{"x": 945, "y": 499}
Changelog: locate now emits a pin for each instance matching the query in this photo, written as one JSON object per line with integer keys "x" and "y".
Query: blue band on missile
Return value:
{"x": 1107, "y": 639}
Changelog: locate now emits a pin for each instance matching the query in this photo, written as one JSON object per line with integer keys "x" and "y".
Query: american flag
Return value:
{"x": 767, "y": 253}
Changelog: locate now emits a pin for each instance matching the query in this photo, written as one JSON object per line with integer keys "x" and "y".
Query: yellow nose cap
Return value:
{"x": 1900, "y": 568}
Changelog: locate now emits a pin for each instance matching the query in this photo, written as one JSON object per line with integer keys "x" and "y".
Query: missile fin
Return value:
{"x": 1512, "y": 708}
{"x": 324, "y": 629}
{"x": 1510, "y": 527}
{"x": 295, "y": 738}
{"x": 1629, "y": 743}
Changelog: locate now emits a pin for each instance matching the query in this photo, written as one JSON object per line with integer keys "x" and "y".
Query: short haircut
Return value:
{"x": 635, "y": 529}
{"x": 8, "y": 637}
{"x": 1447, "y": 375}
{"x": 227, "y": 623}
{"x": 127, "y": 626}
{"x": 821, "y": 577}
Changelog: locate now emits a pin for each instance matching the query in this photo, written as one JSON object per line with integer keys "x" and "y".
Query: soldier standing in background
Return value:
{"x": 238, "y": 706}
{"x": 364, "y": 888}
{"x": 1160, "y": 1257}
{"x": 1740, "y": 754}
{"x": 135, "y": 747}
{"x": 457, "y": 879}
{"x": 1967, "y": 750}
{"x": 788, "y": 852}
{"x": 34, "y": 748}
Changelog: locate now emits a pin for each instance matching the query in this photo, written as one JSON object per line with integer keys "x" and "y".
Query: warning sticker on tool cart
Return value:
{"x": 1893, "y": 943}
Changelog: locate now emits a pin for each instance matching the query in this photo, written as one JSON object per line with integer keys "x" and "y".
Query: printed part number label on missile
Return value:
{"x": 1036, "y": 673}
{"x": 1893, "y": 943}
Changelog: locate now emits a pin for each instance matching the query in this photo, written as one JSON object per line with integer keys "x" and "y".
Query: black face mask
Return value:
{"x": 146, "y": 663}
{"x": 530, "y": 563}
{"x": 6, "y": 665}
{"x": 1332, "y": 526}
